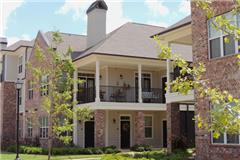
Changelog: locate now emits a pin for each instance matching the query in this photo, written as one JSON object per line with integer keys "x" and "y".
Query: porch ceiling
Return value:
{"x": 122, "y": 62}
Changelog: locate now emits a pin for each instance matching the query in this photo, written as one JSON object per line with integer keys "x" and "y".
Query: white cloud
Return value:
{"x": 12, "y": 40}
{"x": 161, "y": 24}
{"x": 156, "y": 7}
{"x": 115, "y": 16}
{"x": 185, "y": 7}
{"x": 7, "y": 7}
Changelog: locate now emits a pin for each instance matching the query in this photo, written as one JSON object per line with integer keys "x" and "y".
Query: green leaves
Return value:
{"x": 59, "y": 100}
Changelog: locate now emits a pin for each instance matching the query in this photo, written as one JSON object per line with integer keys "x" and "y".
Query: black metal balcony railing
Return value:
{"x": 120, "y": 94}
{"x": 117, "y": 94}
{"x": 86, "y": 95}
{"x": 153, "y": 95}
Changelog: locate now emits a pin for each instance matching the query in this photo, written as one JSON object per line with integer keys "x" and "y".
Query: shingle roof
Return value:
{"x": 20, "y": 43}
{"x": 76, "y": 42}
{"x": 131, "y": 39}
{"x": 185, "y": 21}
{"x": 100, "y": 4}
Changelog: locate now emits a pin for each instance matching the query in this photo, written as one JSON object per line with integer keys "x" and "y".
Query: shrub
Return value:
{"x": 141, "y": 148}
{"x": 119, "y": 157}
{"x": 64, "y": 150}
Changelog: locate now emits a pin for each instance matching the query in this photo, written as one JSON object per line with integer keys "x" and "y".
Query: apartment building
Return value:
{"x": 124, "y": 85}
{"x": 222, "y": 71}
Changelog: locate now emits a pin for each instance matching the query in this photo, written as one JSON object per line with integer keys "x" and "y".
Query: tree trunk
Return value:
{"x": 49, "y": 147}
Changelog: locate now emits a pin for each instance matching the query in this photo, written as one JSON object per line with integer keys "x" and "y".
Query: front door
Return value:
{"x": 125, "y": 132}
{"x": 89, "y": 134}
{"x": 164, "y": 134}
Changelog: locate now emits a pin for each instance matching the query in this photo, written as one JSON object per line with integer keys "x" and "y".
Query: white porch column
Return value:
{"x": 75, "y": 121}
{"x": 168, "y": 76}
{"x": 168, "y": 73}
{"x": 139, "y": 83}
{"x": 97, "y": 78}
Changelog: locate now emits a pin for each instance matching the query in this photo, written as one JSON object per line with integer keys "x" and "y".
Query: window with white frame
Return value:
{"x": 43, "y": 127}
{"x": 44, "y": 85}
{"x": 20, "y": 97}
{"x": 30, "y": 90}
{"x": 20, "y": 64}
{"x": 148, "y": 126}
{"x": 218, "y": 46}
{"x": 226, "y": 139}
{"x": 29, "y": 127}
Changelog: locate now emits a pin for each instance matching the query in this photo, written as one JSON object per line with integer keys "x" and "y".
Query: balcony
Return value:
{"x": 119, "y": 94}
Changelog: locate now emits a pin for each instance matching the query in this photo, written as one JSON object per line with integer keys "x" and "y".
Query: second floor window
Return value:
{"x": 29, "y": 127}
{"x": 221, "y": 44}
{"x": 30, "y": 90}
{"x": 44, "y": 127}
{"x": 20, "y": 64}
{"x": 44, "y": 85}
{"x": 148, "y": 126}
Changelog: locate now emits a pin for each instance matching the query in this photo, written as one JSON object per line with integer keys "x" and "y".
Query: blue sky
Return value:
{"x": 21, "y": 19}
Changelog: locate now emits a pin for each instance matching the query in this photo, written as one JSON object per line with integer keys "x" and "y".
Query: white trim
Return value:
{"x": 97, "y": 82}
{"x": 125, "y": 106}
{"x": 178, "y": 97}
{"x": 225, "y": 140}
{"x": 130, "y": 121}
{"x": 149, "y": 115}
{"x": 142, "y": 73}
{"x": 221, "y": 39}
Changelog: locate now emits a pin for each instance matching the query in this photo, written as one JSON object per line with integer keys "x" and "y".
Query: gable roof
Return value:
{"x": 18, "y": 44}
{"x": 183, "y": 22}
{"x": 131, "y": 39}
{"x": 76, "y": 42}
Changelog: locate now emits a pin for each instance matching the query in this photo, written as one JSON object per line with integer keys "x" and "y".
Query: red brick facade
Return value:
{"x": 33, "y": 108}
{"x": 173, "y": 125}
{"x": 223, "y": 73}
{"x": 139, "y": 128}
{"x": 8, "y": 114}
{"x": 99, "y": 118}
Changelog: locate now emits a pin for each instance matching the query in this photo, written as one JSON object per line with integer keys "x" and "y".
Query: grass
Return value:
{"x": 12, "y": 156}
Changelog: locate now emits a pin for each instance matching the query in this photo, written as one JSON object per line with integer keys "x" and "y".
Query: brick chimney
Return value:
{"x": 96, "y": 22}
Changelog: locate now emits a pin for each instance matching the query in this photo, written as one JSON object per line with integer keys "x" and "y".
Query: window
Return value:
{"x": 43, "y": 127}
{"x": 227, "y": 139}
{"x": 44, "y": 85}
{"x": 30, "y": 90}
{"x": 218, "y": 47}
{"x": 148, "y": 126}
{"x": 20, "y": 64}
{"x": 20, "y": 97}
{"x": 29, "y": 127}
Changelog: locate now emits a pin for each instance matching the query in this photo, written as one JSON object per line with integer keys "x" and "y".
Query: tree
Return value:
{"x": 225, "y": 110}
{"x": 56, "y": 87}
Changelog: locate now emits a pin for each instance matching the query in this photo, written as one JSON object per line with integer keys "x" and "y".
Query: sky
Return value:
{"x": 22, "y": 19}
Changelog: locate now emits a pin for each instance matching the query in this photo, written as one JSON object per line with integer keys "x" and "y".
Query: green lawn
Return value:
{"x": 12, "y": 156}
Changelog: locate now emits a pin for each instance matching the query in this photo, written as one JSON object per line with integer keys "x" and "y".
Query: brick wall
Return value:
{"x": 173, "y": 125}
{"x": 8, "y": 114}
{"x": 33, "y": 108}
{"x": 139, "y": 127}
{"x": 99, "y": 118}
{"x": 223, "y": 73}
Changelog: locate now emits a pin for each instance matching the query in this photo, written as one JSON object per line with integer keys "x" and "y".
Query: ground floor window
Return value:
{"x": 29, "y": 127}
{"x": 226, "y": 139}
{"x": 148, "y": 126}
{"x": 43, "y": 127}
